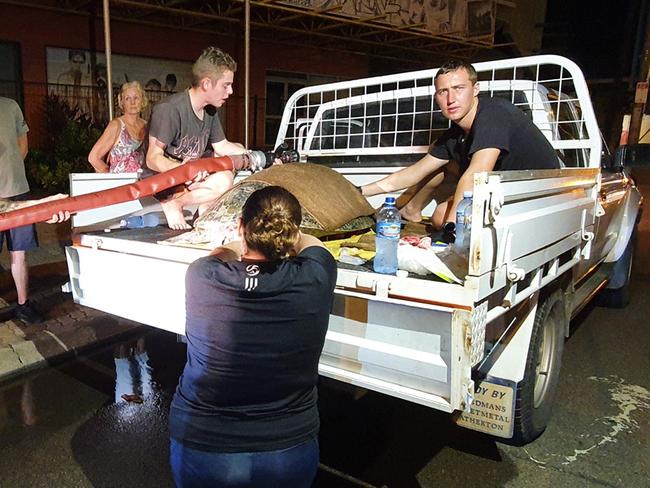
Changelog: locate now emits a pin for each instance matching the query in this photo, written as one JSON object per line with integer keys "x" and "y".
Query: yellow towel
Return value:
{"x": 335, "y": 247}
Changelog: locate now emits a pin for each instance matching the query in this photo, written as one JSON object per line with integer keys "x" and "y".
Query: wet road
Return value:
{"x": 60, "y": 426}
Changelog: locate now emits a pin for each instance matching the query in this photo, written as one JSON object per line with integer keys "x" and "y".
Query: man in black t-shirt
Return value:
{"x": 486, "y": 134}
{"x": 185, "y": 127}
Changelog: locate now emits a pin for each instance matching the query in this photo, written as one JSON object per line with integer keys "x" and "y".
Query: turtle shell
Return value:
{"x": 218, "y": 224}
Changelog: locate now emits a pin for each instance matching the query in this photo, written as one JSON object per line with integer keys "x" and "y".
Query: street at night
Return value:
{"x": 324, "y": 244}
{"x": 598, "y": 436}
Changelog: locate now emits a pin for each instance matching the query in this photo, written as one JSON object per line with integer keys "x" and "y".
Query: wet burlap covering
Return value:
{"x": 329, "y": 204}
{"x": 330, "y": 199}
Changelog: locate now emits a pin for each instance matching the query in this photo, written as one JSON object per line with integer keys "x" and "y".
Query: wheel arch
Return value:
{"x": 512, "y": 362}
{"x": 631, "y": 215}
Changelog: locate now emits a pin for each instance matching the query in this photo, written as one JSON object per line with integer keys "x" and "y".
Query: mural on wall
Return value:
{"x": 79, "y": 77}
{"x": 460, "y": 18}
{"x": 480, "y": 18}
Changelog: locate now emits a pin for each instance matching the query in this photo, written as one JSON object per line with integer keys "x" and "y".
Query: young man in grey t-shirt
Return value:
{"x": 185, "y": 127}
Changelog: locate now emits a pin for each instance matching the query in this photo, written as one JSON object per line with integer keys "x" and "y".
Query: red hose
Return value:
{"x": 132, "y": 191}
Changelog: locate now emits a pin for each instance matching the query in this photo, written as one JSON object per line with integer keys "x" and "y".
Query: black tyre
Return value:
{"x": 536, "y": 392}
{"x": 619, "y": 296}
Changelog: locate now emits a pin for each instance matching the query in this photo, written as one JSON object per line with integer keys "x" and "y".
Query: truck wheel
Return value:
{"x": 619, "y": 295}
{"x": 536, "y": 392}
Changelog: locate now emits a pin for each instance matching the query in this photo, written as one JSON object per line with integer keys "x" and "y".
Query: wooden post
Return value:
{"x": 109, "y": 60}
{"x": 641, "y": 92}
{"x": 638, "y": 109}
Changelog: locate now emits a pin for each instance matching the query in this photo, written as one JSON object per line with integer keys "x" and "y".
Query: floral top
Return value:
{"x": 127, "y": 154}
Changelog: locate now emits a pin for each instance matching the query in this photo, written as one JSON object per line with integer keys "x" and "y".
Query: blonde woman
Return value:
{"x": 120, "y": 149}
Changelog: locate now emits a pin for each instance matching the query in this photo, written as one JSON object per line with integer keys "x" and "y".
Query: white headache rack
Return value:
{"x": 398, "y": 115}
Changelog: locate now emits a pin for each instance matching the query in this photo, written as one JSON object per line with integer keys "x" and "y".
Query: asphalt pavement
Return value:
{"x": 66, "y": 425}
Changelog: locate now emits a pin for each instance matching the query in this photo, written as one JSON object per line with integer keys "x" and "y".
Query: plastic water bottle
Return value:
{"x": 464, "y": 222}
{"x": 387, "y": 239}
{"x": 140, "y": 221}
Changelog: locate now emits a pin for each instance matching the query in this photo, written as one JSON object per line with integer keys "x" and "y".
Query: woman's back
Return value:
{"x": 255, "y": 331}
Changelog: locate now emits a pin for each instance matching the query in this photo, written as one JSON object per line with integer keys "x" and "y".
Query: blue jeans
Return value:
{"x": 293, "y": 467}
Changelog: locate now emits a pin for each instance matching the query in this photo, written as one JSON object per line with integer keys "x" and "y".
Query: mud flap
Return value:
{"x": 492, "y": 408}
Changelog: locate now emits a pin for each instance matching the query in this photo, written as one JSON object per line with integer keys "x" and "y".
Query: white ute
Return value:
{"x": 543, "y": 243}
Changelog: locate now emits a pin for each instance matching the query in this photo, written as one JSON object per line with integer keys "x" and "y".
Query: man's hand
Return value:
{"x": 482, "y": 160}
{"x": 60, "y": 216}
{"x": 449, "y": 232}
{"x": 200, "y": 176}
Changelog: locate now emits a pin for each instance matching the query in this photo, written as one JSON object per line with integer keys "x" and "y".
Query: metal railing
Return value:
{"x": 397, "y": 114}
{"x": 90, "y": 101}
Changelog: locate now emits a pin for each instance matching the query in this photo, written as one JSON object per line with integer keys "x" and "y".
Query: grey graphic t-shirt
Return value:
{"x": 174, "y": 123}
{"x": 12, "y": 169}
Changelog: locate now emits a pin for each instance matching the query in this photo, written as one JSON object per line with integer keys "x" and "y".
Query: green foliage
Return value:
{"x": 70, "y": 137}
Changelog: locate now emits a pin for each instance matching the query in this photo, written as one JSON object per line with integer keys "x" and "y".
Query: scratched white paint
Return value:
{"x": 628, "y": 398}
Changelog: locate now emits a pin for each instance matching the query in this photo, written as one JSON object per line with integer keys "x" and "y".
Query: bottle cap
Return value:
{"x": 468, "y": 194}
{"x": 390, "y": 200}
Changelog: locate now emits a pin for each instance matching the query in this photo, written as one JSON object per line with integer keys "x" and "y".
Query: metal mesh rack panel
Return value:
{"x": 398, "y": 115}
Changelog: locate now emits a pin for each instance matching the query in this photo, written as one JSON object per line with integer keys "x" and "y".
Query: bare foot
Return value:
{"x": 410, "y": 215}
{"x": 174, "y": 214}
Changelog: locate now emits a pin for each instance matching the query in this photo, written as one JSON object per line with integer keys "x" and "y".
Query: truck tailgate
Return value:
{"x": 401, "y": 343}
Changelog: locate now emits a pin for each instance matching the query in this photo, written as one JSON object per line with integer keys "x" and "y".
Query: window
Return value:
{"x": 11, "y": 85}
{"x": 279, "y": 87}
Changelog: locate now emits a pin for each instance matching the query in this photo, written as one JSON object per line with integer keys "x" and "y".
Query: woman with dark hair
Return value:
{"x": 245, "y": 410}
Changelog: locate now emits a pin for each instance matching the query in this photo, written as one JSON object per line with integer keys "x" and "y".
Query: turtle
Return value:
{"x": 330, "y": 205}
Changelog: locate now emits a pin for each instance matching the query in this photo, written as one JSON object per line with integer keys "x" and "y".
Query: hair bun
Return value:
{"x": 271, "y": 218}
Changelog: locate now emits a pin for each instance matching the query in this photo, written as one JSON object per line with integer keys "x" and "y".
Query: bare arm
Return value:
{"x": 227, "y": 148}
{"x": 305, "y": 241}
{"x": 156, "y": 159}
{"x": 23, "y": 145}
{"x": 60, "y": 216}
{"x": 233, "y": 250}
{"x": 406, "y": 177}
{"x": 9, "y": 205}
{"x": 483, "y": 160}
{"x": 97, "y": 155}
{"x": 228, "y": 252}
